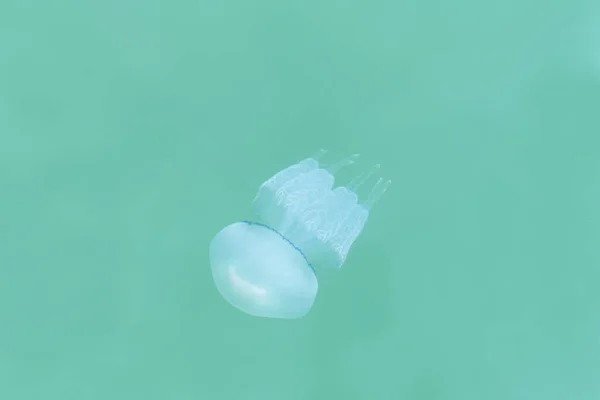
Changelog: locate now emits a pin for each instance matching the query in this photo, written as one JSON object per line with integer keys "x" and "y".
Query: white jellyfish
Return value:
{"x": 266, "y": 268}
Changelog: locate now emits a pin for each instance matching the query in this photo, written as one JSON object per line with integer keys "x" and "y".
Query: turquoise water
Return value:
{"x": 131, "y": 132}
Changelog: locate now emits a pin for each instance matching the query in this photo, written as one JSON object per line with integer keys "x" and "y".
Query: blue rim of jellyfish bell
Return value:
{"x": 284, "y": 238}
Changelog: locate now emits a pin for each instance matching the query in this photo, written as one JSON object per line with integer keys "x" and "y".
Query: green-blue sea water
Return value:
{"x": 133, "y": 131}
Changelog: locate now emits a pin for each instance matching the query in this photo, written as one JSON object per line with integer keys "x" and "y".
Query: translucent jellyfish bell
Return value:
{"x": 266, "y": 268}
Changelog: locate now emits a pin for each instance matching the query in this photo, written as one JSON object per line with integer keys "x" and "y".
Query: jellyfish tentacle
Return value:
{"x": 335, "y": 167}
{"x": 377, "y": 192}
{"x": 319, "y": 154}
{"x": 355, "y": 183}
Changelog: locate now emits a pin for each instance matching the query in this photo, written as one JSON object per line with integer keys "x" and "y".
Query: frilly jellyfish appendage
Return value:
{"x": 301, "y": 203}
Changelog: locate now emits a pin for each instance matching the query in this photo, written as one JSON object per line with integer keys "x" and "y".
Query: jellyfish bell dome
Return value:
{"x": 265, "y": 268}
{"x": 260, "y": 272}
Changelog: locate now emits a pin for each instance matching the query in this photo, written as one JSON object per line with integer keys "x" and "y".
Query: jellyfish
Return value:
{"x": 266, "y": 267}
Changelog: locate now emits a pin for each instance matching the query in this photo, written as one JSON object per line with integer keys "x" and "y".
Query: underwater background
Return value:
{"x": 131, "y": 132}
